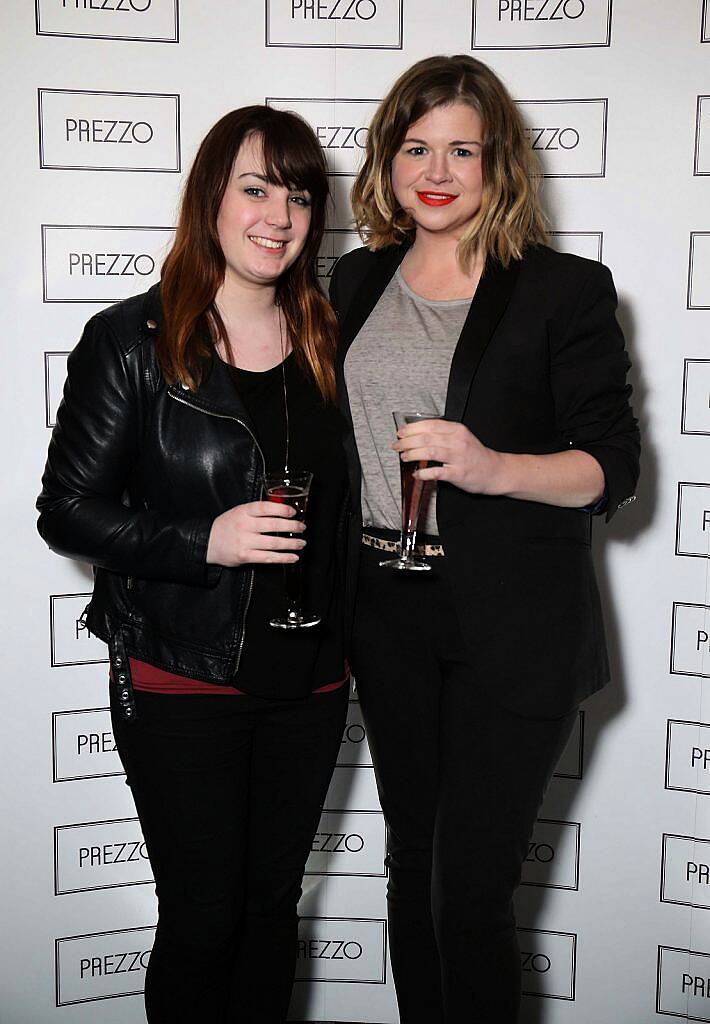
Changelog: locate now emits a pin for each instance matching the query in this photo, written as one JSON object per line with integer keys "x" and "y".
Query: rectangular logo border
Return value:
{"x": 686, "y": 362}
{"x": 604, "y": 100}
{"x": 691, "y": 260}
{"x": 659, "y": 978}
{"x": 352, "y": 700}
{"x": 92, "y": 935}
{"x": 89, "y": 888}
{"x": 678, "y": 903}
{"x": 577, "y": 845}
{"x": 75, "y": 778}
{"x": 87, "y": 35}
{"x": 678, "y": 789}
{"x": 573, "y": 979}
{"x": 352, "y": 874}
{"x": 599, "y": 235}
{"x": 549, "y": 46}
{"x": 350, "y": 981}
{"x": 696, "y": 162}
{"x": 106, "y": 92}
{"x": 66, "y": 664}
{"x": 334, "y": 46}
{"x": 327, "y": 99}
{"x": 87, "y": 227}
{"x": 685, "y": 554}
{"x": 46, "y": 384}
{"x": 679, "y": 672}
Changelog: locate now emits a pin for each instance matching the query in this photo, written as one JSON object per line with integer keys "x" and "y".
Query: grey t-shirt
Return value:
{"x": 399, "y": 361}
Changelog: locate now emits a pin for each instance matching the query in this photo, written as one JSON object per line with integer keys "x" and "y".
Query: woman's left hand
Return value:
{"x": 465, "y": 462}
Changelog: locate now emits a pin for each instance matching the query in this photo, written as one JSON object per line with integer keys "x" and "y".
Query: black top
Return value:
{"x": 290, "y": 663}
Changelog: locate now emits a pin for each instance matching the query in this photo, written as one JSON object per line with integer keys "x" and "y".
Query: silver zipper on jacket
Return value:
{"x": 235, "y": 419}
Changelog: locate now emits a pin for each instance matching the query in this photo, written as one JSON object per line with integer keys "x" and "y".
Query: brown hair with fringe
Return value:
{"x": 510, "y": 217}
{"x": 194, "y": 268}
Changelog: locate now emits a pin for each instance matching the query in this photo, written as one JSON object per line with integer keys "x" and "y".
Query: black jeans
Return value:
{"x": 460, "y": 781}
{"x": 228, "y": 791}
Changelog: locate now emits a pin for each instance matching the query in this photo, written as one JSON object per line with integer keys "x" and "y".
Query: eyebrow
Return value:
{"x": 267, "y": 181}
{"x": 454, "y": 142}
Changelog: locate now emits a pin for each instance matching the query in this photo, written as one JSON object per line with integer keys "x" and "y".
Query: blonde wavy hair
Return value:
{"x": 510, "y": 217}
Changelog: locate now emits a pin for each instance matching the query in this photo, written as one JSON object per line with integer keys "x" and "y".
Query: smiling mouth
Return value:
{"x": 436, "y": 198}
{"x": 267, "y": 243}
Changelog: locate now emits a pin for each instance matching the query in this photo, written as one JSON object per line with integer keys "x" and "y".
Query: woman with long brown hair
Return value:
{"x": 177, "y": 404}
{"x": 470, "y": 670}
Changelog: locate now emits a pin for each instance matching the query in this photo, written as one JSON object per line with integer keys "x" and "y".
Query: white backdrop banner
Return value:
{"x": 105, "y": 102}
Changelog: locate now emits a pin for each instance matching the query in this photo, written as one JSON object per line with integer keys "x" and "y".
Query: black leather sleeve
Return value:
{"x": 92, "y": 455}
{"x": 588, "y": 366}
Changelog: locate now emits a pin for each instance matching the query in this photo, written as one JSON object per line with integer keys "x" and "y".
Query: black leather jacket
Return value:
{"x": 137, "y": 472}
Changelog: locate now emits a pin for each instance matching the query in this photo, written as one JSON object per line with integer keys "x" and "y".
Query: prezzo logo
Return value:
{"x": 341, "y": 24}
{"x": 702, "y": 136}
{"x": 685, "y": 871}
{"x": 101, "y": 965}
{"x": 699, "y": 271}
{"x": 540, "y": 24}
{"x": 109, "y": 131}
{"x": 696, "y": 397}
{"x": 693, "y": 520}
{"x": 342, "y": 949}
{"x": 690, "y": 640}
{"x": 549, "y": 963}
{"x": 340, "y": 126}
{"x": 568, "y": 136}
{"x": 688, "y": 756}
{"x": 153, "y": 21}
{"x": 581, "y": 243}
{"x": 55, "y": 373}
{"x": 83, "y": 746}
{"x": 100, "y": 264}
{"x": 349, "y": 843}
{"x": 71, "y": 641}
{"x": 352, "y": 787}
{"x": 354, "y": 751}
{"x": 571, "y": 762}
{"x": 683, "y": 983}
{"x": 552, "y": 859}
{"x": 100, "y": 855}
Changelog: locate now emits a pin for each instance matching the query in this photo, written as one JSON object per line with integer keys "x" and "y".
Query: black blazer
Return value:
{"x": 540, "y": 367}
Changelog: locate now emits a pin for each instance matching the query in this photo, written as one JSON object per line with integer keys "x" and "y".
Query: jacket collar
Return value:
{"x": 217, "y": 394}
{"x": 485, "y": 313}
{"x": 382, "y": 271}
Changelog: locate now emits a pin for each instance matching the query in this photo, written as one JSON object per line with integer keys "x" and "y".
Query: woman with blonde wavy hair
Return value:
{"x": 470, "y": 671}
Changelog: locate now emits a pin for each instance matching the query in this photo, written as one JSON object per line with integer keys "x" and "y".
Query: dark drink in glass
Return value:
{"x": 412, "y": 490}
{"x": 291, "y": 489}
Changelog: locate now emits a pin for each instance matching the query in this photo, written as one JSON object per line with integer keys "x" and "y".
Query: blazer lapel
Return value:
{"x": 368, "y": 294}
{"x": 485, "y": 313}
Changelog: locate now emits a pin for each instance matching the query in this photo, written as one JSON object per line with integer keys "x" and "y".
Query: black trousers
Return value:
{"x": 228, "y": 790}
{"x": 460, "y": 781}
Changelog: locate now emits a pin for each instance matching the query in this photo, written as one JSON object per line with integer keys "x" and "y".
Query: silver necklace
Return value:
{"x": 283, "y": 379}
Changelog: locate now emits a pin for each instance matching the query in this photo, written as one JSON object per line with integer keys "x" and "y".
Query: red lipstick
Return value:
{"x": 430, "y": 198}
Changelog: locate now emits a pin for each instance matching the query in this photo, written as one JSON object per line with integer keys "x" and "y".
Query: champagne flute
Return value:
{"x": 291, "y": 489}
{"x": 412, "y": 490}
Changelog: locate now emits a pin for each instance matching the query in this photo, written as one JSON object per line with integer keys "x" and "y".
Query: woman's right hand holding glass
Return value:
{"x": 244, "y": 534}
